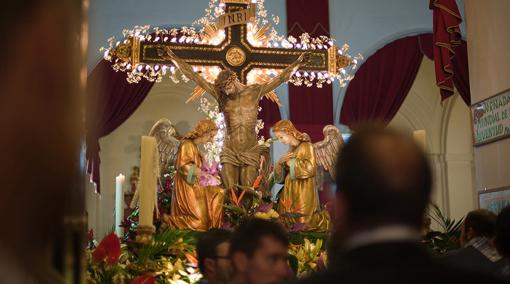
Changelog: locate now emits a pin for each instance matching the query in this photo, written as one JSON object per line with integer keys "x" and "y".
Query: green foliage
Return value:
{"x": 293, "y": 263}
{"x": 441, "y": 242}
{"x": 167, "y": 242}
{"x": 299, "y": 238}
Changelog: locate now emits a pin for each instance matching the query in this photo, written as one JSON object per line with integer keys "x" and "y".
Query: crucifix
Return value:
{"x": 238, "y": 50}
{"x": 233, "y": 45}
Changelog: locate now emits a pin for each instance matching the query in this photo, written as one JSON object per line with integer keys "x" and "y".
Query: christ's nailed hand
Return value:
{"x": 305, "y": 58}
{"x": 166, "y": 52}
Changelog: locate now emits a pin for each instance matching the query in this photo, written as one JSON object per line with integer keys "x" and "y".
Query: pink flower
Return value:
{"x": 264, "y": 207}
{"x": 321, "y": 264}
{"x": 209, "y": 176}
{"x": 108, "y": 250}
{"x": 297, "y": 227}
{"x": 227, "y": 225}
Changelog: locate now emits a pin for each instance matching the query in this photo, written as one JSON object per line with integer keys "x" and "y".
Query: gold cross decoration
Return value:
{"x": 232, "y": 42}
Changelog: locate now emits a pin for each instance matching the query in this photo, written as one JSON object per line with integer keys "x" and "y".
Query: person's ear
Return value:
{"x": 240, "y": 261}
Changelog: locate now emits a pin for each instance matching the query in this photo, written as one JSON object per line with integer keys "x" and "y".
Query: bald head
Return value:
{"x": 384, "y": 178}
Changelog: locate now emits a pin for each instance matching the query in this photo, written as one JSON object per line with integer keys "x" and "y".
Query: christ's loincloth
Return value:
{"x": 251, "y": 157}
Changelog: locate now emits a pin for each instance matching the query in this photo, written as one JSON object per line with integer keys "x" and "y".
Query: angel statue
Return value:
{"x": 195, "y": 206}
{"x": 297, "y": 170}
{"x": 326, "y": 154}
{"x": 242, "y": 155}
{"x": 167, "y": 142}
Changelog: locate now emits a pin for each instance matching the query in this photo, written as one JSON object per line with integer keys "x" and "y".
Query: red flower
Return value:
{"x": 144, "y": 279}
{"x": 108, "y": 250}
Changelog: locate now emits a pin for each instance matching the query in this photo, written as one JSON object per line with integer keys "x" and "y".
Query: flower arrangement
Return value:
{"x": 170, "y": 258}
{"x": 309, "y": 256}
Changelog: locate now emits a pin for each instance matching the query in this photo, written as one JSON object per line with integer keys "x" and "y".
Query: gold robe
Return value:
{"x": 299, "y": 194}
{"x": 193, "y": 207}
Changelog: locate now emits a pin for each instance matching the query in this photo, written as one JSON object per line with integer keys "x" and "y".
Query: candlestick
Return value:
{"x": 420, "y": 138}
{"x": 119, "y": 204}
{"x": 148, "y": 180}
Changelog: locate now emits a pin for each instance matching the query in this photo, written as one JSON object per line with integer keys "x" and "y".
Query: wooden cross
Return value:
{"x": 235, "y": 51}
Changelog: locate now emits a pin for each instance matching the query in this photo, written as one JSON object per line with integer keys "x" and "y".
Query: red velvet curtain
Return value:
{"x": 461, "y": 72}
{"x": 459, "y": 64}
{"x": 310, "y": 108}
{"x": 446, "y": 36}
{"x": 270, "y": 114}
{"x": 110, "y": 101}
{"x": 382, "y": 83}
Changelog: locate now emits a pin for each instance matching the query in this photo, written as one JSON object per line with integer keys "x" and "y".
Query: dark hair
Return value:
{"x": 375, "y": 193}
{"x": 247, "y": 238}
{"x": 482, "y": 222}
{"x": 207, "y": 245}
{"x": 503, "y": 232}
{"x": 224, "y": 77}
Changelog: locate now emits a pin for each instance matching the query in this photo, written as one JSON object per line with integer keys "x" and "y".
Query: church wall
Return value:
{"x": 489, "y": 72}
{"x": 448, "y": 143}
{"x": 460, "y": 160}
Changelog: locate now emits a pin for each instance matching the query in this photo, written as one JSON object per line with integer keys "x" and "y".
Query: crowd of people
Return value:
{"x": 385, "y": 183}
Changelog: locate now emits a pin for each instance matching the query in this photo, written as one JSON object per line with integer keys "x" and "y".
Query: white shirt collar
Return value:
{"x": 382, "y": 234}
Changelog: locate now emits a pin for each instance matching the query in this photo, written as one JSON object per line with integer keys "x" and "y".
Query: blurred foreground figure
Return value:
{"x": 258, "y": 252}
{"x": 213, "y": 250}
{"x": 502, "y": 240}
{"x": 385, "y": 185}
{"x": 478, "y": 252}
{"x": 40, "y": 118}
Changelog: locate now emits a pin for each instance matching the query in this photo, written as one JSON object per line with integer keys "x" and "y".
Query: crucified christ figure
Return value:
{"x": 242, "y": 155}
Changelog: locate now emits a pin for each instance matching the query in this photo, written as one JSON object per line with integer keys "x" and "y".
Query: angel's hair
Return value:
{"x": 286, "y": 126}
{"x": 203, "y": 126}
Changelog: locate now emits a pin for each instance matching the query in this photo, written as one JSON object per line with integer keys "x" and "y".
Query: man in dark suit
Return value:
{"x": 502, "y": 240}
{"x": 384, "y": 183}
{"x": 478, "y": 251}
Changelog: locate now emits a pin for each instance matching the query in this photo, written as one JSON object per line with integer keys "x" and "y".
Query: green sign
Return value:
{"x": 494, "y": 199}
{"x": 491, "y": 118}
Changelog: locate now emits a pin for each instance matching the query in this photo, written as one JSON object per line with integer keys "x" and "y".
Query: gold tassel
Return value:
{"x": 195, "y": 94}
{"x": 210, "y": 31}
{"x": 260, "y": 35}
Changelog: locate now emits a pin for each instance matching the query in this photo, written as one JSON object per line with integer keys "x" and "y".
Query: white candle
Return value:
{"x": 148, "y": 180}
{"x": 119, "y": 204}
{"x": 420, "y": 138}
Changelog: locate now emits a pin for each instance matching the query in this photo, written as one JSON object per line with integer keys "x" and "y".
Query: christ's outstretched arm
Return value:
{"x": 284, "y": 76}
{"x": 187, "y": 70}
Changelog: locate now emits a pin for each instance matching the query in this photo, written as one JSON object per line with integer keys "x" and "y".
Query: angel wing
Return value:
{"x": 167, "y": 142}
{"x": 326, "y": 151}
